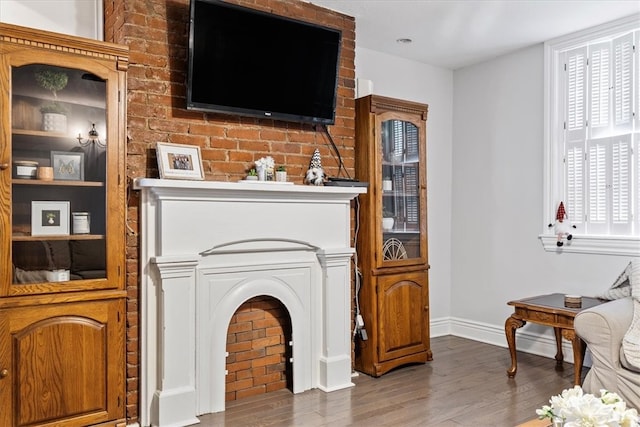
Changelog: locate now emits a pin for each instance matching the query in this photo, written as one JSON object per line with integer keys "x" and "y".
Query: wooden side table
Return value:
{"x": 548, "y": 310}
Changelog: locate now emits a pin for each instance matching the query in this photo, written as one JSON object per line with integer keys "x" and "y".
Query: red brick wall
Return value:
{"x": 156, "y": 32}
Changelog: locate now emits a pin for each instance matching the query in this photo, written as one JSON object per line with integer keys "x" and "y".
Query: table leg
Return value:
{"x": 579, "y": 349}
{"x": 510, "y": 325}
{"x": 559, "y": 355}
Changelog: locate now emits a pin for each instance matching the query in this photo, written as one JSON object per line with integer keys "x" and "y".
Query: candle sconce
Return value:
{"x": 93, "y": 138}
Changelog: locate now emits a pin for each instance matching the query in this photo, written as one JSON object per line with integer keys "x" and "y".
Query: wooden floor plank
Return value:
{"x": 465, "y": 385}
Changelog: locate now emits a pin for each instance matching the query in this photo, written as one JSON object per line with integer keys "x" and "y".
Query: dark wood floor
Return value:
{"x": 465, "y": 385}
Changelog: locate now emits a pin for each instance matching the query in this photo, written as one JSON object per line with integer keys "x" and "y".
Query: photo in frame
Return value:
{"x": 49, "y": 218}
{"x": 178, "y": 161}
{"x": 67, "y": 165}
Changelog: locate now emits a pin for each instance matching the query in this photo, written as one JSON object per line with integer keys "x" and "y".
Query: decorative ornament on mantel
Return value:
{"x": 265, "y": 166}
{"x": 281, "y": 174}
{"x": 315, "y": 173}
{"x": 252, "y": 175}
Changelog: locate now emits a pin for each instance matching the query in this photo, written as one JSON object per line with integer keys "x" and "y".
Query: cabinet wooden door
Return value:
{"x": 62, "y": 364}
{"x": 403, "y": 313}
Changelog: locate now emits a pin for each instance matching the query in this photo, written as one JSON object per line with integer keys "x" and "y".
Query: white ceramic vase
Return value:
{"x": 54, "y": 122}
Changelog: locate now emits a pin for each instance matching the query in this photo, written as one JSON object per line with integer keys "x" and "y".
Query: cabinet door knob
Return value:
{"x": 4, "y": 166}
{"x": 4, "y": 373}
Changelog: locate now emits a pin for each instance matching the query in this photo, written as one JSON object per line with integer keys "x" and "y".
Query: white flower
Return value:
{"x": 266, "y": 162}
{"x": 609, "y": 398}
{"x": 579, "y": 409}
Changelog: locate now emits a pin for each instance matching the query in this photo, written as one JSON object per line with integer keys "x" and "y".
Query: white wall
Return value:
{"x": 413, "y": 81}
{"x": 497, "y": 202}
{"x": 76, "y": 17}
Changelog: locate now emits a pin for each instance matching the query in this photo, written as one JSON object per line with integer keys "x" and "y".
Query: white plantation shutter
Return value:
{"x": 621, "y": 185}
{"x": 636, "y": 180}
{"x": 575, "y": 182}
{"x": 575, "y": 124}
{"x": 609, "y": 186}
{"x": 597, "y": 186}
{"x": 600, "y": 88}
{"x": 576, "y": 93}
{"x": 623, "y": 83}
{"x": 636, "y": 107}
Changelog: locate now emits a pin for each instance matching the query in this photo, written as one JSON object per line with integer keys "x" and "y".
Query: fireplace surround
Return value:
{"x": 206, "y": 248}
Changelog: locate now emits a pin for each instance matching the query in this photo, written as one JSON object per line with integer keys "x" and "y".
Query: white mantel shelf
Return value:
{"x": 207, "y": 247}
{"x": 248, "y": 190}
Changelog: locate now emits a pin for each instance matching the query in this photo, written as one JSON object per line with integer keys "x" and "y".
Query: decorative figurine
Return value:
{"x": 315, "y": 173}
{"x": 561, "y": 227}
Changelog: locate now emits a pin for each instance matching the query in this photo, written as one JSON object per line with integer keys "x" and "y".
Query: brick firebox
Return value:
{"x": 258, "y": 347}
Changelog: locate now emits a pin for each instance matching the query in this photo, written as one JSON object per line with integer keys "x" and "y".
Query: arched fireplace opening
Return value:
{"x": 259, "y": 350}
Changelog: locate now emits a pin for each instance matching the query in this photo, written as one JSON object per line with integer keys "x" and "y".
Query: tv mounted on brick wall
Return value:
{"x": 246, "y": 62}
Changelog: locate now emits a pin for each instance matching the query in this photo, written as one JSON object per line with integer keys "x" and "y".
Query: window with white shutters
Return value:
{"x": 592, "y": 128}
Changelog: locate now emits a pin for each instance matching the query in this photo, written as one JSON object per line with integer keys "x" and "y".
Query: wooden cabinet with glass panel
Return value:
{"x": 392, "y": 243}
{"x": 62, "y": 215}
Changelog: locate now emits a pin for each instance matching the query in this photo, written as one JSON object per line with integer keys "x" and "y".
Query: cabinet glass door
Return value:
{"x": 400, "y": 174}
{"x": 58, "y": 182}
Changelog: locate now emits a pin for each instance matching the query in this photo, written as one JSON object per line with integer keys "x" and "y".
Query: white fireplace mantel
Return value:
{"x": 206, "y": 247}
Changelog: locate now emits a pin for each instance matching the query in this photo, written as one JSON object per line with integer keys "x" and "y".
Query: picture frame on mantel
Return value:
{"x": 179, "y": 161}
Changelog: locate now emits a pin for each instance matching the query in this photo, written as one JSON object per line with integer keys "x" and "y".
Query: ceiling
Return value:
{"x": 457, "y": 33}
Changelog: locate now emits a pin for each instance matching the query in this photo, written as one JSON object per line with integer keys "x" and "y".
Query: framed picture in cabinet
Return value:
{"x": 67, "y": 165}
{"x": 49, "y": 218}
{"x": 179, "y": 161}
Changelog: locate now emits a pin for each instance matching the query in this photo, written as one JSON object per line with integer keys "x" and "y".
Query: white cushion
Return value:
{"x": 621, "y": 287}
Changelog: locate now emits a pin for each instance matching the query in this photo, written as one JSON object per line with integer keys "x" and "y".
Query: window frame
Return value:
{"x": 553, "y": 148}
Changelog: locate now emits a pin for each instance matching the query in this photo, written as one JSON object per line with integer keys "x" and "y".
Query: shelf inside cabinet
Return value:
{"x": 42, "y": 133}
{"x": 393, "y": 193}
{"x": 60, "y": 183}
{"x": 400, "y": 163}
{"x": 25, "y": 238}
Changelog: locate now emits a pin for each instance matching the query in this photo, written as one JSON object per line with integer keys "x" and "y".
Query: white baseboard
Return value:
{"x": 440, "y": 327}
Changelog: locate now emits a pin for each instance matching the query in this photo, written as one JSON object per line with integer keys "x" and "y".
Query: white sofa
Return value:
{"x": 602, "y": 327}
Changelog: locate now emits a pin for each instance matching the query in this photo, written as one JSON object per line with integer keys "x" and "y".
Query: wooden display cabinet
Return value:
{"x": 62, "y": 229}
{"x": 392, "y": 242}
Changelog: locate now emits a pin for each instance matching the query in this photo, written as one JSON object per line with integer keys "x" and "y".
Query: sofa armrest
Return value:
{"x": 602, "y": 328}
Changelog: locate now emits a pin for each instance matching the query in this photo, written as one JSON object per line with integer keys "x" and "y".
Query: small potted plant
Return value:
{"x": 54, "y": 116}
{"x": 281, "y": 174}
{"x": 252, "y": 175}
{"x": 387, "y": 219}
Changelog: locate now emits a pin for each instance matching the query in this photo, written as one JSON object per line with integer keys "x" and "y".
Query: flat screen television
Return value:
{"x": 247, "y": 62}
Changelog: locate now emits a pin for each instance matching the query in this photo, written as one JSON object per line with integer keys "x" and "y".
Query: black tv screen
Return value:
{"x": 246, "y": 62}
